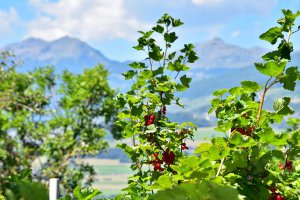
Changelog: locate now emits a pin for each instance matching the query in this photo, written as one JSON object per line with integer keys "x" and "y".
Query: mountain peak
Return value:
{"x": 217, "y": 53}
{"x": 216, "y": 40}
{"x": 33, "y": 40}
{"x": 62, "y": 52}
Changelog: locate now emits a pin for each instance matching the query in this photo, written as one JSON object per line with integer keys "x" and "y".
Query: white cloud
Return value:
{"x": 206, "y": 2}
{"x": 8, "y": 19}
{"x": 236, "y": 33}
{"x": 235, "y": 6}
{"x": 91, "y": 20}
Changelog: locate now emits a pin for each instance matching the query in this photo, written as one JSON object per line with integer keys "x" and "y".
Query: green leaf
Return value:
{"x": 281, "y": 106}
{"x": 146, "y": 74}
{"x": 177, "y": 66}
{"x": 268, "y": 136}
{"x": 274, "y": 55}
{"x": 129, "y": 74}
{"x": 220, "y": 92}
{"x": 158, "y": 28}
{"x": 176, "y": 22}
{"x": 206, "y": 190}
{"x": 151, "y": 129}
{"x": 238, "y": 159}
{"x": 163, "y": 182}
{"x": 289, "y": 78}
{"x": 170, "y": 37}
{"x": 185, "y": 81}
{"x": 164, "y": 87}
{"x": 272, "y": 35}
{"x": 86, "y": 193}
{"x": 241, "y": 140}
{"x": 155, "y": 55}
{"x": 27, "y": 189}
{"x": 192, "y": 57}
{"x": 137, "y": 65}
{"x": 271, "y": 68}
{"x": 250, "y": 85}
{"x": 171, "y": 55}
{"x": 236, "y": 91}
{"x": 285, "y": 50}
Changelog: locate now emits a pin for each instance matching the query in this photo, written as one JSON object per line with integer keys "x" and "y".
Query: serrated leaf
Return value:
{"x": 170, "y": 37}
{"x": 274, "y": 55}
{"x": 145, "y": 74}
{"x": 185, "y": 81}
{"x": 163, "y": 182}
{"x": 158, "y": 28}
{"x": 281, "y": 106}
{"x": 171, "y": 55}
{"x": 250, "y": 85}
{"x": 289, "y": 78}
{"x": 192, "y": 57}
{"x": 137, "y": 65}
{"x": 129, "y": 74}
{"x": 220, "y": 92}
{"x": 272, "y": 35}
{"x": 176, "y": 22}
{"x": 271, "y": 68}
{"x": 241, "y": 140}
{"x": 268, "y": 136}
{"x": 155, "y": 55}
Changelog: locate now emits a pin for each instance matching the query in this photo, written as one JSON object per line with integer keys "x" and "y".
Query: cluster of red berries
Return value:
{"x": 149, "y": 119}
{"x": 288, "y": 166}
{"x": 243, "y": 131}
{"x": 164, "y": 110}
{"x": 157, "y": 163}
{"x": 167, "y": 157}
{"x": 184, "y": 147}
{"x": 275, "y": 195}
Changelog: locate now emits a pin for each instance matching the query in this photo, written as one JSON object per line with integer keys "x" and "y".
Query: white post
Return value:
{"x": 53, "y": 188}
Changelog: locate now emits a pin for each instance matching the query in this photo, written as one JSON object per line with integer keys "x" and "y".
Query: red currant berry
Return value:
{"x": 279, "y": 197}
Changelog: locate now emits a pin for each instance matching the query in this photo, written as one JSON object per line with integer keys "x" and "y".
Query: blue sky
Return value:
{"x": 111, "y": 25}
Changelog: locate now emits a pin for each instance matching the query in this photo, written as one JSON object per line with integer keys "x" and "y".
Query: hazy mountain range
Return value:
{"x": 221, "y": 65}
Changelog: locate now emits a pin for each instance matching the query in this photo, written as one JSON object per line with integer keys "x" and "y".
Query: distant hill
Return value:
{"x": 64, "y": 53}
{"x": 216, "y": 53}
{"x": 221, "y": 65}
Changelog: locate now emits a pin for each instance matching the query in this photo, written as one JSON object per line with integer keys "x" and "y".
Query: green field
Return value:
{"x": 112, "y": 169}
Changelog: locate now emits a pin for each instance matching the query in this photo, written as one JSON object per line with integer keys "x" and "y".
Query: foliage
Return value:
{"x": 157, "y": 142}
{"x": 20, "y": 186}
{"x": 82, "y": 194}
{"x": 251, "y": 161}
{"x": 47, "y": 122}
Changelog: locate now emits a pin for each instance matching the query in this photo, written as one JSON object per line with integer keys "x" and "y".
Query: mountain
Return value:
{"x": 64, "y": 53}
{"x": 215, "y": 53}
{"x": 221, "y": 65}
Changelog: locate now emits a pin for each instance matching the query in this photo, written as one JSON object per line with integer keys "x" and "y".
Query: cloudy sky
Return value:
{"x": 111, "y": 25}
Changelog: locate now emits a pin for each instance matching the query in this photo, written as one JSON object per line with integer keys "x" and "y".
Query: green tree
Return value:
{"x": 48, "y": 121}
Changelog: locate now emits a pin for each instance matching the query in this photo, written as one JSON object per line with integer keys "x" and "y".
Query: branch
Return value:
{"x": 267, "y": 87}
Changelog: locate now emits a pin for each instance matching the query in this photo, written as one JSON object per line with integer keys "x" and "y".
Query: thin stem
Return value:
{"x": 221, "y": 164}
{"x": 150, "y": 60}
{"x": 295, "y": 31}
{"x": 176, "y": 75}
{"x": 267, "y": 87}
{"x": 166, "y": 49}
